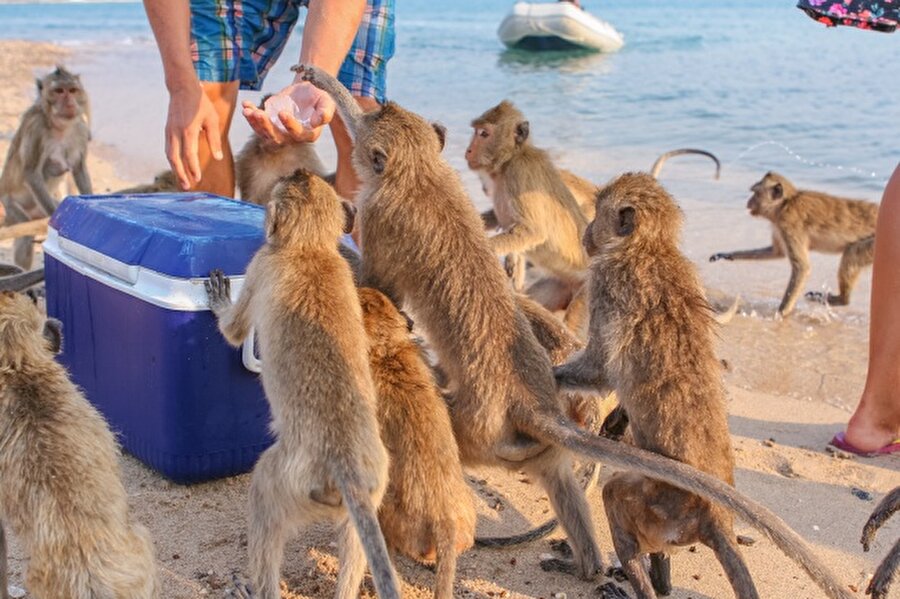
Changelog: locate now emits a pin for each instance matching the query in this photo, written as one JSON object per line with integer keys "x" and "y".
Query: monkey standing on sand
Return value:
{"x": 423, "y": 242}
{"x": 428, "y": 511}
{"x": 51, "y": 141}
{"x": 328, "y": 462}
{"x": 808, "y": 220}
{"x": 62, "y": 493}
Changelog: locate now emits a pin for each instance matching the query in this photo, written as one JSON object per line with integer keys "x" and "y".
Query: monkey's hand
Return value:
{"x": 241, "y": 588}
{"x": 721, "y": 256}
{"x": 218, "y": 290}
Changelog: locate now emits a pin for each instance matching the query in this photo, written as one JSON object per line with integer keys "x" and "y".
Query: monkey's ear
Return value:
{"x": 777, "y": 191}
{"x": 379, "y": 160}
{"x": 349, "y": 216}
{"x": 522, "y": 130}
{"x": 625, "y": 226}
{"x": 40, "y": 86}
{"x": 441, "y": 134}
{"x": 53, "y": 334}
{"x": 272, "y": 216}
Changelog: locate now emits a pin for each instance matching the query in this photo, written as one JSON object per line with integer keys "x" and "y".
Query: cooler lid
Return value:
{"x": 182, "y": 235}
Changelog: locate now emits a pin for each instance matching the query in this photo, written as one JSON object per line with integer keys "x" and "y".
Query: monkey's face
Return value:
{"x": 768, "y": 196}
{"x": 63, "y": 94}
{"x": 478, "y": 154}
{"x": 394, "y": 142}
{"x": 497, "y": 134}
{"x": 305, "y": 207}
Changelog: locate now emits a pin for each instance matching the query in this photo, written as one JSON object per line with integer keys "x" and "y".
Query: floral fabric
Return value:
{"x": 878, "y": 15}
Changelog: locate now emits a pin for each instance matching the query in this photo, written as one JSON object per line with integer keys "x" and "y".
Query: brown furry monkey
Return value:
{"x": 328, "y": 462}
{"x": 62, "y": 493}
{"x": 428, "y": 511}
{"x": 884, "y": 575}
{"x": 261, "y": 163}
{"x": 809, "y": 220}
{"x": 424, "y": 242}
{"x": 651, "y": 340}
{"x": 52, "y": 140}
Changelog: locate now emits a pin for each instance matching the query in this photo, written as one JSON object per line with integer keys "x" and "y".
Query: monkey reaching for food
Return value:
{"x": 809, "y": 220}
{"x": 62, "y": 493}
{"x": 52, "y": 140}
{"x": 328, "y": 461}
{"x": 428, "y": 511}
{"x": 424, "y": 243}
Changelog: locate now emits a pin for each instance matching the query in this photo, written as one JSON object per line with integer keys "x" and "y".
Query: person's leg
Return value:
{"x": 876, "y": 422}
{"x": 218, "y": 175}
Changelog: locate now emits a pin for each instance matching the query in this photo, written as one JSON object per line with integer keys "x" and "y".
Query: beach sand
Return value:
{"x": 791, "y": 385}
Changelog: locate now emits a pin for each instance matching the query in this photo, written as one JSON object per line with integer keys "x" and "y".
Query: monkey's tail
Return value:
{"x": 21, "y": 281}
{"x": 657, "y": 166}
{"x": 445, "y": 541}
{"x": 4, "y": 584}
{"x": 885, "y": 509}
{"x": 726, "y": 316}
{"x": 592, "y": 472}
{"x": 362, "y": 514}
{"x": 557, "y": 430}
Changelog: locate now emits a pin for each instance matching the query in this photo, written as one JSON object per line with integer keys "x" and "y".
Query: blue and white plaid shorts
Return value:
{"x": 240, "y": 40}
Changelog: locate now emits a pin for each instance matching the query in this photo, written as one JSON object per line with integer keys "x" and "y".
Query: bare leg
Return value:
{"x": 218, "y": 175}
{"x": 876, "y": 421}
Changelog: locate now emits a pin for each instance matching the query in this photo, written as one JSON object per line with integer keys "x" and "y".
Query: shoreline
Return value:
{"x": 794, "y": 381}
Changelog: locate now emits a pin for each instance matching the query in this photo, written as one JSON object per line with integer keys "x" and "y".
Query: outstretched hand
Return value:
{"x": 316, "y": 109}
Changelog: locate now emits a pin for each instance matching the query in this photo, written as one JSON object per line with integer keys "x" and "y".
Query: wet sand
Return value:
{"x": 791, "y": 385}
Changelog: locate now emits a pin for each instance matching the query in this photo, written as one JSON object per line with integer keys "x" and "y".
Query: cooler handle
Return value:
{"x": 248, "y": 353}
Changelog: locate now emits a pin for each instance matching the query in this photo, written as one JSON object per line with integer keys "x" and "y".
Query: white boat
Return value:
{"x": 557, "y": 26}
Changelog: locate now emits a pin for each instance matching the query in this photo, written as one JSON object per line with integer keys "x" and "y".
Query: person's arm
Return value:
{"x": 190, "y": 111}
{"x": 330, "y": 28}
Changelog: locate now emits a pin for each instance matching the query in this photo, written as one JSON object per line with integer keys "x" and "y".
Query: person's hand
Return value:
{"x": 316, "y": 110}
{"x": 190, "y": 112}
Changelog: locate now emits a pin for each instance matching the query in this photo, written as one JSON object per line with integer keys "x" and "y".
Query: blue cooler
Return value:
{"x": 125, "y": 276}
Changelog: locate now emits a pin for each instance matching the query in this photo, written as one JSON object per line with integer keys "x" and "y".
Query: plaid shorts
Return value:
{"x": 240, "y": 40}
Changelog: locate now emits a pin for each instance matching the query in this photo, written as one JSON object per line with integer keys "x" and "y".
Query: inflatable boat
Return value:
{"x": 557, "y": 26}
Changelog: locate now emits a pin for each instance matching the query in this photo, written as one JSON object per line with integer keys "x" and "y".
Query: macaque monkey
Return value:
{"x": 62, "y": 493}
{"x": 428, "y": 511}
{"x": 809, "y": 220}
{"x": 884, "y": 575}
{"x": 423, "y": 243}
{"x": 52, "y": 140}
{"x": 262, "y": 163}
{"x": 328, "y": 462}
{"x": 651, "y": 340}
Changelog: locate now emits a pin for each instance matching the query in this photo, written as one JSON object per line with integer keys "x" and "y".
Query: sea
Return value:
{"x": 758, "y": 83}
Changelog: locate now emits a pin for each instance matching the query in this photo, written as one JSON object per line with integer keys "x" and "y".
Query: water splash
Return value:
{"x": 810, "y": 163}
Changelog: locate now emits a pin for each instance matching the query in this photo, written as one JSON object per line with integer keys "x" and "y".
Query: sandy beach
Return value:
{"x": 791, "y": 385}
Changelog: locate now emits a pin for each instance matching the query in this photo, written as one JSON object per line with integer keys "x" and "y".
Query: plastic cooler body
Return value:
{"x": 125, "y": 276}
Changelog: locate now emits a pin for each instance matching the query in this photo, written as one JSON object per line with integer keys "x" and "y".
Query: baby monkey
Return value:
{"x": 62, "y": 493}
{"x": 428, "y": 510}
{"x": 328, "y": 462}
{"x": 809, "y": 220}
{"x": 881, "y": 581}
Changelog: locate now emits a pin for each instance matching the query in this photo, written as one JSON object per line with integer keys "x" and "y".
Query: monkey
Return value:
{"x": 423, "y": 243}
{"x": 651, "y": 340}
{"x": 805, "y": 220}
{"x": 164, "y": 181}
{"x": 885, "y": 573}
{"x": 62, "y": 492}
{"x": 327, "y": 462}
{"x": 51, "y": 141}
{"x": 537, "y": 214}
{"x": 261, "y": 163}
{"x": 428, "y": 511}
